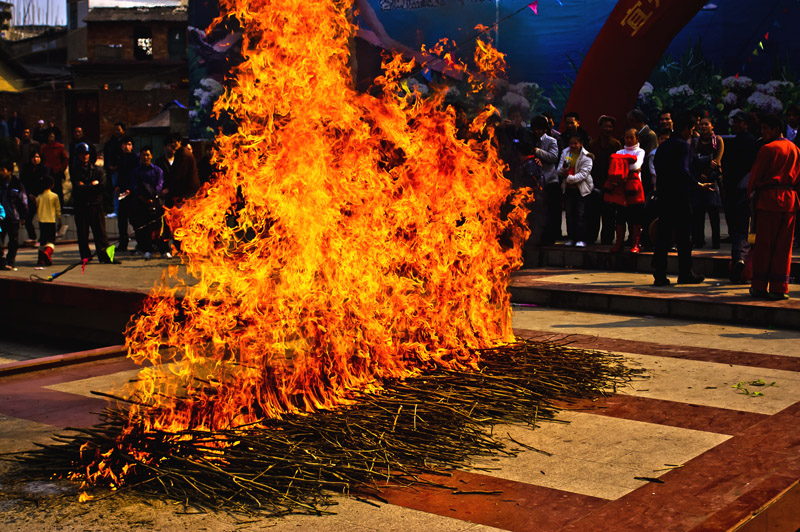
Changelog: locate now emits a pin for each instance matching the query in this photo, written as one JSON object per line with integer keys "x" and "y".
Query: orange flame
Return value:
{"x": 347, "y": 240}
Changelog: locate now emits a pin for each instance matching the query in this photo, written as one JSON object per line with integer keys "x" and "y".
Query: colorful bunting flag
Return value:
{"x": 535, "y": 7}
{"x": 766, "y": 36}
{"x": 110, "y": 251}
{"x": 761, "y": 44}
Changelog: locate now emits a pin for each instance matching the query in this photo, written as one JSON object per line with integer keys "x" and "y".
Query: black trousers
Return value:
{"x": 124, "y": 215}
{"x": 674, "y": 223}
{"x": 598, "y": 211}
{"x": 737, "y": 214}
{"x": 29, "y": 218}
{"x": 552, "y": 225}
{"x": 150, "y": 229}
{"x": 91, "y": 217}
{"x": 47, "y": 232}
{"x": 576, "y": 214}
{"x": 10, "y": 232}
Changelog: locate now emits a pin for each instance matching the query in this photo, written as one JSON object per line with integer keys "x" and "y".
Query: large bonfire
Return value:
{"x": 350, "y": 319}
{"x": 348, "y": 240}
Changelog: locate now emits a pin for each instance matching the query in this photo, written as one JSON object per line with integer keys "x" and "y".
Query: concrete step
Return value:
{"x": 714, "y": 300}
{"x": 707, "y": 262}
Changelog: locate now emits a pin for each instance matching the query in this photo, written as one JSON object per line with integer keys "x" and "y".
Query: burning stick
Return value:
{"x": 411, "y": 432}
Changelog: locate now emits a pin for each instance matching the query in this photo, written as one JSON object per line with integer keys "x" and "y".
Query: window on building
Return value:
{"x": 176, "y": 43}
{"x": 143, "y": 44}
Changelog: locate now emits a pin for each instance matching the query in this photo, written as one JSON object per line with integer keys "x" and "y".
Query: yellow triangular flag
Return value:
{"x": 110, "y": 251}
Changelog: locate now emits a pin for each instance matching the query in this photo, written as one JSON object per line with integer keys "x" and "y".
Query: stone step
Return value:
{"x": 714, "y": 300}
{"x": 707, "y": 262}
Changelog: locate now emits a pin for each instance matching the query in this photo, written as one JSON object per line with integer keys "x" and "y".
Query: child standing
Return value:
{"x": 49, "y": 212}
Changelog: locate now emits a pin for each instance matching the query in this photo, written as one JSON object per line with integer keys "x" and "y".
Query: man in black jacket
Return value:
{"x": 88, "y": 183}
{"x": 15, "y": 204}
{"x": 739, "y": 158}
{"x": 674, "y": 183}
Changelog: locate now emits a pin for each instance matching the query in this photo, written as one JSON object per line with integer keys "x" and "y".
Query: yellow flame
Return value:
{"x": 347, "y": 240}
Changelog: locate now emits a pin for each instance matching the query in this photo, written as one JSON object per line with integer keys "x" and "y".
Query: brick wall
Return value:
{"x": 33, "y": 106}
{"x": 130, "y": 107}
{"x": 107, "y": 33}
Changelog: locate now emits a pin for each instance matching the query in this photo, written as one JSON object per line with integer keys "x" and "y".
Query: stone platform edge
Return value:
{"x": 695, "y": 309}
{"x": 58, "y": 361}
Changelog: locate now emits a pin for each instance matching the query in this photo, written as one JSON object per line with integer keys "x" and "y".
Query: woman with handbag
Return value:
{"x": 706, "y": 167}
{"x": 625, "y": 192}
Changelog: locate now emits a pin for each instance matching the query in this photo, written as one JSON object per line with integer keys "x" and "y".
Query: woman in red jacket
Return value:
{"x": 55, "y": 157}
{"x": 623, "y": 189}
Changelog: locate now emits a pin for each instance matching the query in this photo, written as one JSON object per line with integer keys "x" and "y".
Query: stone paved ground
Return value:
{"x": 719, "y": 453}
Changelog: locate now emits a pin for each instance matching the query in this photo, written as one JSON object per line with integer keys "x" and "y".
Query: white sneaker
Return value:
{"x": 148, "y": 255}
{"x": 569, "y": 243}
{"x": 167, "y": 255}
{"x": 580, "y": 244}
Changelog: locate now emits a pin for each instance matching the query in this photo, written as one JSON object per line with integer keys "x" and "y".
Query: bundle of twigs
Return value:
{"x": 427, "y": 424}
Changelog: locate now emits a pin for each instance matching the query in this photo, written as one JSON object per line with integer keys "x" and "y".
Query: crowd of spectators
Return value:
{"x": 120, "y": 181}
{"x": 654, "y": 189}
{"x": 650, "y": 191}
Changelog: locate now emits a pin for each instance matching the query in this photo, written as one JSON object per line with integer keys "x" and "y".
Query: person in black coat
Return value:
{"x": 15, "y": 204}
{"x": 739, "y": 159}
{"x": 34, "y": 175}
{"x": 88, "y": 183}
{"x": 128, "y": 162}
{"x": 674, "y": 183}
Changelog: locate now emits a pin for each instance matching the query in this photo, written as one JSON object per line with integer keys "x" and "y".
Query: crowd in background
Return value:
{"x": 658, "y": 186}
{"x": 41, "y": 178}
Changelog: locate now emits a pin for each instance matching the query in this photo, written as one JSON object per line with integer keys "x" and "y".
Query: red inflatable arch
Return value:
{"x": 623, "y": 55}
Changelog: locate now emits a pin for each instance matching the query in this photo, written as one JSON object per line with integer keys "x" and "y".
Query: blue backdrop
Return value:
{"x": 540, "y": 47}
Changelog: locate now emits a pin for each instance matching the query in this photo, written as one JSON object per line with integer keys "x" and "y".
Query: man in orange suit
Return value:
{"x": 774, "y": 188}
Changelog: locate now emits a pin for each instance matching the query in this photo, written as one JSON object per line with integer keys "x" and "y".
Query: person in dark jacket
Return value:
{"x": 148, "y": 182}
{"x": 739, "y": 159}
{"x": 112, "y": 153}
{"x": 56, "y": 158}
{"x": 26, "y": 147}
{"x": 33, "y": 176}
{"x": 88, "y": 183}
{"x": 675, "y": 184}
{"x": 515, "y": 143}
{"x": 128, "y": 162}
{"x": 77, "y": 138}
{"x": 15, "y": 205}
{"x": 602, "y": 147}
{"x": 184, "y": 181}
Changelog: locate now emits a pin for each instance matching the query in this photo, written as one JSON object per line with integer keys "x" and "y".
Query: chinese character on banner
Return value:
{"x": 638, "y": 15}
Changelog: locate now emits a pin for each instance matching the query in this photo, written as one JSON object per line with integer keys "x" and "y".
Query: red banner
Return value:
{"x": 623, "y": 55}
